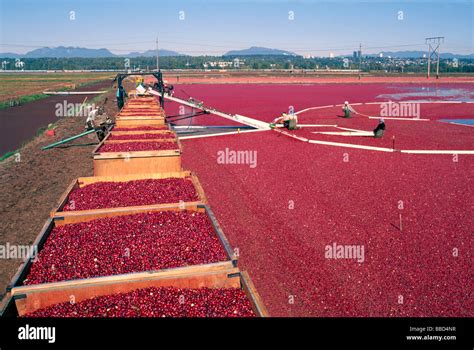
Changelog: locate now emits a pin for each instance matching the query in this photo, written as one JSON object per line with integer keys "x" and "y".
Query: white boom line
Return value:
{"x": 236, "y": 118}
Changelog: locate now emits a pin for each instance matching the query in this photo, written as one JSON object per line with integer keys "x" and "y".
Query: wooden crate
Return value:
{"x": 69, "y": 217}
{"x": 32, "y": 297}
{"x": 141, "y": 162}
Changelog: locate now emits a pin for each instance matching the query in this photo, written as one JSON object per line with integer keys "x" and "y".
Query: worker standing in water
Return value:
{"x": 120, "y": 97}
{"x": 347, "y": 109}
{"x": 380, "y": 129}
{"x": 289, "y": 121}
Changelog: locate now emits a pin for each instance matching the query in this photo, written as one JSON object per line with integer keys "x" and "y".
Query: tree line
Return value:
{"x": 415, "y": 65}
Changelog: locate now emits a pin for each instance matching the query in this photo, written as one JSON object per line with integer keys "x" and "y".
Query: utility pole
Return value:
{"x": 157, "y": 56}
{"x": 434, "y": 44}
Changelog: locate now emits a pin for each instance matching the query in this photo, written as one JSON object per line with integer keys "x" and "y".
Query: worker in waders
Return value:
{"x": 380, "y": 129}
{"x": 102, "y": 129}
{"x": 347, "y": 109}
{"x": 93, "y": 113}
{"x": 120, "y": 97}
{"x": 289, "y": 121}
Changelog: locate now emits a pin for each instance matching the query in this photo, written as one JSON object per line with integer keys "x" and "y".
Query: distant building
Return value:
{"x": 220, "y": 64}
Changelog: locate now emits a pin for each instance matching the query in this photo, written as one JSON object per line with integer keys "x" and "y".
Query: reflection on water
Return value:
{"x": 423, "y": 94}
{"x": 469, "y": 122}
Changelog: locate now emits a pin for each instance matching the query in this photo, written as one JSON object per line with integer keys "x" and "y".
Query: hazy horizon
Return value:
{"x": 200, "y": 27}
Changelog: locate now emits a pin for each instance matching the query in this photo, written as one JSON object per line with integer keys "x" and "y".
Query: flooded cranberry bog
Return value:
{"x": 402, "y": 202}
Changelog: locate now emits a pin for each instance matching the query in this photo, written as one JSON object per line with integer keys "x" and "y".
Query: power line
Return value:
{"x": 434, "y": 44}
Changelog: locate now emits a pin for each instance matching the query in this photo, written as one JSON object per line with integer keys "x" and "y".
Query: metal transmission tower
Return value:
{"x": 433, "y": 49}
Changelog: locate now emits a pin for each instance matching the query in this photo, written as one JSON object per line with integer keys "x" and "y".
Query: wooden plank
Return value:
{"x": 142, "y": 113}
{"x": 136, "y": 165}
{"x": 142, "y": 106}
{"x": 96, "y": 148}
{"x": 143, "y": 140}
{"x": 199, "y": 189}
{"x": 164, "y": 127}
{"x": 135, "y": 123}
{"x": 72, "y": 217}
{"x": 218, "y": 230}
{"x": 251, "y": 292}
{"x": 83, "y": 181}
{"x": 137, "y": 154}
{"x": 127, "y": 277}
{"x": 39, "y": 243}
{"x": 140, "y": 117}
{"x": 138, "y": 132}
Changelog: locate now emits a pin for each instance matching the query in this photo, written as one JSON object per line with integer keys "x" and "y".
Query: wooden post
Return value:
{"x": 401, "y": 223}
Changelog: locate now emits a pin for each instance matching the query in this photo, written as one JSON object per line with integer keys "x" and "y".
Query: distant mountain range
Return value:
{"x": 152, "y": 53}
{"x": 256, "y": 51}
{"x": 418, "y": 54}
{"x": 68, "y": 52}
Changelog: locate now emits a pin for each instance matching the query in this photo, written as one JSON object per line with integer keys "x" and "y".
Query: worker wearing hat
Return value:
{"x": 347, "y": 109}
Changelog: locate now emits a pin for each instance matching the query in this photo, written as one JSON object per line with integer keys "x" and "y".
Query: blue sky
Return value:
{"x": 214, "y": 27}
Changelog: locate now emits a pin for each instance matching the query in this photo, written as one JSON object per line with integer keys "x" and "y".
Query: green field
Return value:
{"x": 29, "y": 87}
